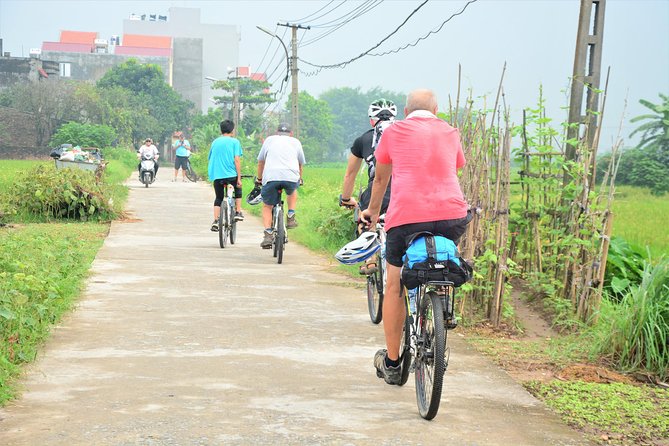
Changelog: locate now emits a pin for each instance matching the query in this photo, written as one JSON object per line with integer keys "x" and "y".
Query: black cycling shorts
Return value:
{"x": 220, "y": 187}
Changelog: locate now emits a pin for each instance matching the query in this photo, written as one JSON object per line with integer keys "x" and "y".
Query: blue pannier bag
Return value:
{"x": 433, "y": 258}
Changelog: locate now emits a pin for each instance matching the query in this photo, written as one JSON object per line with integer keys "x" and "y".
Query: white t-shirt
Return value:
{"x": 152, "y": 150}
{"x": 283, "y": 156}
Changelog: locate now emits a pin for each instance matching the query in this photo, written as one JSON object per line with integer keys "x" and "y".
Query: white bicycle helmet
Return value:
{"x": 254, "y": 197}
{"x": 359, "y": 249}
{"x": 382, "y": 109}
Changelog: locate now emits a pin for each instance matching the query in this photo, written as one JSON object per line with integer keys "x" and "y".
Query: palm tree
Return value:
{"x": 655, "y": 131}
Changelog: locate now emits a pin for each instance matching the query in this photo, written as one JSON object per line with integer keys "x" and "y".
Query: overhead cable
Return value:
{"x": 434, "y": 31}
{"x": 318, "y": 37}
{"x": 343, "y": 64}
{"x": 304, "y": 18}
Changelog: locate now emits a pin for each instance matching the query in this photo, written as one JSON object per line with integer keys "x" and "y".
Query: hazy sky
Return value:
{"x": 536, "y": 39}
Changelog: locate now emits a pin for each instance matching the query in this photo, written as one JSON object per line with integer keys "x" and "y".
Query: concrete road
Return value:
{"x": 178, "y": 342}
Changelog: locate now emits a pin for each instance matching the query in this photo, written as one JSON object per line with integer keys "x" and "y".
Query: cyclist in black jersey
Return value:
{"x": 381, "y": 113}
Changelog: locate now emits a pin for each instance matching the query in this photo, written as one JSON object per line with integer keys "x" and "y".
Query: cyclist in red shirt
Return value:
{"x": 422, "y": 154}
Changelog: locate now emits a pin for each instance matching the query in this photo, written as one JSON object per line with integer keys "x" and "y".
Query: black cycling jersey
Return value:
{"x": 362, "y": 148}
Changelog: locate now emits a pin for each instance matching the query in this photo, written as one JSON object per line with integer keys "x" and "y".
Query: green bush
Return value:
{"x": 46, "y": 193}
{"x": 624, "y": 268}
{"x": 634, "y": 333}
{"x": 84, "y": 135}
{"x": 41, "y": 271}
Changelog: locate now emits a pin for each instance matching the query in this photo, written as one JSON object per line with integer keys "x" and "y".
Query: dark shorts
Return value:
{"x": 270, "y": 191}
{"x": 396, "y": 238}
{"x": 363, "y": 199}
{"x": 181, "y": 161}
{"x": 220, "y": 187}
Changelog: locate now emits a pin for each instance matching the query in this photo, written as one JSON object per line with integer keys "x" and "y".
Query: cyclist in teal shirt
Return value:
{"x": 182, "y": 152}
{"x": 225, "y": 168}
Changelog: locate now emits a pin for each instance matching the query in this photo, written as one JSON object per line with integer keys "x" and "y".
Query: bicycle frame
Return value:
{"x": 279, "y": 229}
{"x": 425, "y": 351}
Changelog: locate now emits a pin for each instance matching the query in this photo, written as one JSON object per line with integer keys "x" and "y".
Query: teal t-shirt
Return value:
{"x": 182, "y": 147}
{"x": 222, "y": 155}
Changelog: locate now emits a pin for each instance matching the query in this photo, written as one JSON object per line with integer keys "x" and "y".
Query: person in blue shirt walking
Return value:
{"x": 182, "y": 151}
{"x": 225, "y": 168}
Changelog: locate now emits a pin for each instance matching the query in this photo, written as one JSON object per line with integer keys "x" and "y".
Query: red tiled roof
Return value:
{"x": 83, "y": 37}
{"x": 143, "y": 41}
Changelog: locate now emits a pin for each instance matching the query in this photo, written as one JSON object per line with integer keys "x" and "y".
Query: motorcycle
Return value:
{"x": 147, "y": 173}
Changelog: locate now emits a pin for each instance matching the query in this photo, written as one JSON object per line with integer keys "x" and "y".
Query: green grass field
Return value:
{"x": 640, "y": 218}
{"x": 9, "y": 169}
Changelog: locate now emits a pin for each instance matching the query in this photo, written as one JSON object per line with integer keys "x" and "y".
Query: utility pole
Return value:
{"x": 588, "y": 55}
{"x": 293, "y": 72}
{"x": 235, "y": 102}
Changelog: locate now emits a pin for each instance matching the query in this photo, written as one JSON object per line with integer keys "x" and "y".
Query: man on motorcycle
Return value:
{"x": 151, "y": 151}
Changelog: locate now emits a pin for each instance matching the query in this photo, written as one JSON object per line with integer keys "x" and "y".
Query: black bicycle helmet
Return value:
{"x": 254, "y": 196}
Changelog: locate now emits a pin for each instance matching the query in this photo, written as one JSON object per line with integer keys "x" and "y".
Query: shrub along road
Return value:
{"x": 177, "y": 342}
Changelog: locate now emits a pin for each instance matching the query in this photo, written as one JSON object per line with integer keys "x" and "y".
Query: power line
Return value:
{"x": 369, "y": 53}
{"x": 329, "y": 24}
{"x": 343, "y": 64}
{"x": 434, "y": 31}
{"x": 339, "y": 25}
{"x": 304, "y": 18}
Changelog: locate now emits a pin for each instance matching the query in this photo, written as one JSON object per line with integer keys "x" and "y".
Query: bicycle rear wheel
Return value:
{"x": 233, "y": 226}
{"x": 375, "y": 296}
{"x": 279, "y": 237}
{"x": 223, "y": 227}
{"x": 190, "y": 173}
{"x": 430, "y": 355}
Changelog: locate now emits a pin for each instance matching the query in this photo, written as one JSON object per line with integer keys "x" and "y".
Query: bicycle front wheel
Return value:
{"x": 279, "y": 237}
{"x": 430, "y": 354}
{"x": 405, "y": 347}
{"x": 223, "y": 227}
{"x": 375, "y": 296}
{"x": 233, "y": 226}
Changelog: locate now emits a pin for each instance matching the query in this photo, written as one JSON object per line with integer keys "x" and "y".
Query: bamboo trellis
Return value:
{"x": 560, "y": 226}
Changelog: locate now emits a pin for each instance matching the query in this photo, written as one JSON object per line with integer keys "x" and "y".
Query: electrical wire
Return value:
{"x": 304, "y": 18}
{"x": 318, "y": 37}
{"x": 319, "y": 68}
{"x": 434, "y": 31}
{"x": 343, "y": 64}
{"x": 337, "y": 21}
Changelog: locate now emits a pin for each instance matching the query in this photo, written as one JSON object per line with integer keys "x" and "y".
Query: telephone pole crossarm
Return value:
{"x": 293, "y": 73}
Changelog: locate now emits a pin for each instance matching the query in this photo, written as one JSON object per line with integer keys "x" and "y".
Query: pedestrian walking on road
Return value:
{"x": 181, "y": 149}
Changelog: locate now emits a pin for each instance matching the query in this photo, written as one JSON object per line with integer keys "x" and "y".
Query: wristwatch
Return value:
{"x": 343, "y": 200}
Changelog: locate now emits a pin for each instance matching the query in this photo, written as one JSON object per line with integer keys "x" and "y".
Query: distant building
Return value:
{"x": 200, "y": 49}
{"x": 186, "y": 49}
{"x": 83, "y": 56}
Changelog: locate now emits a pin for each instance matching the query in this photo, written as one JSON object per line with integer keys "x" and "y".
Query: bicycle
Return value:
{"x": 227, "y": 224}
{"x": 190, "y": 173}
{"x": 376, "y": 281}
{"x": 423, "y": 345}
{"x": 279, "y": 229}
